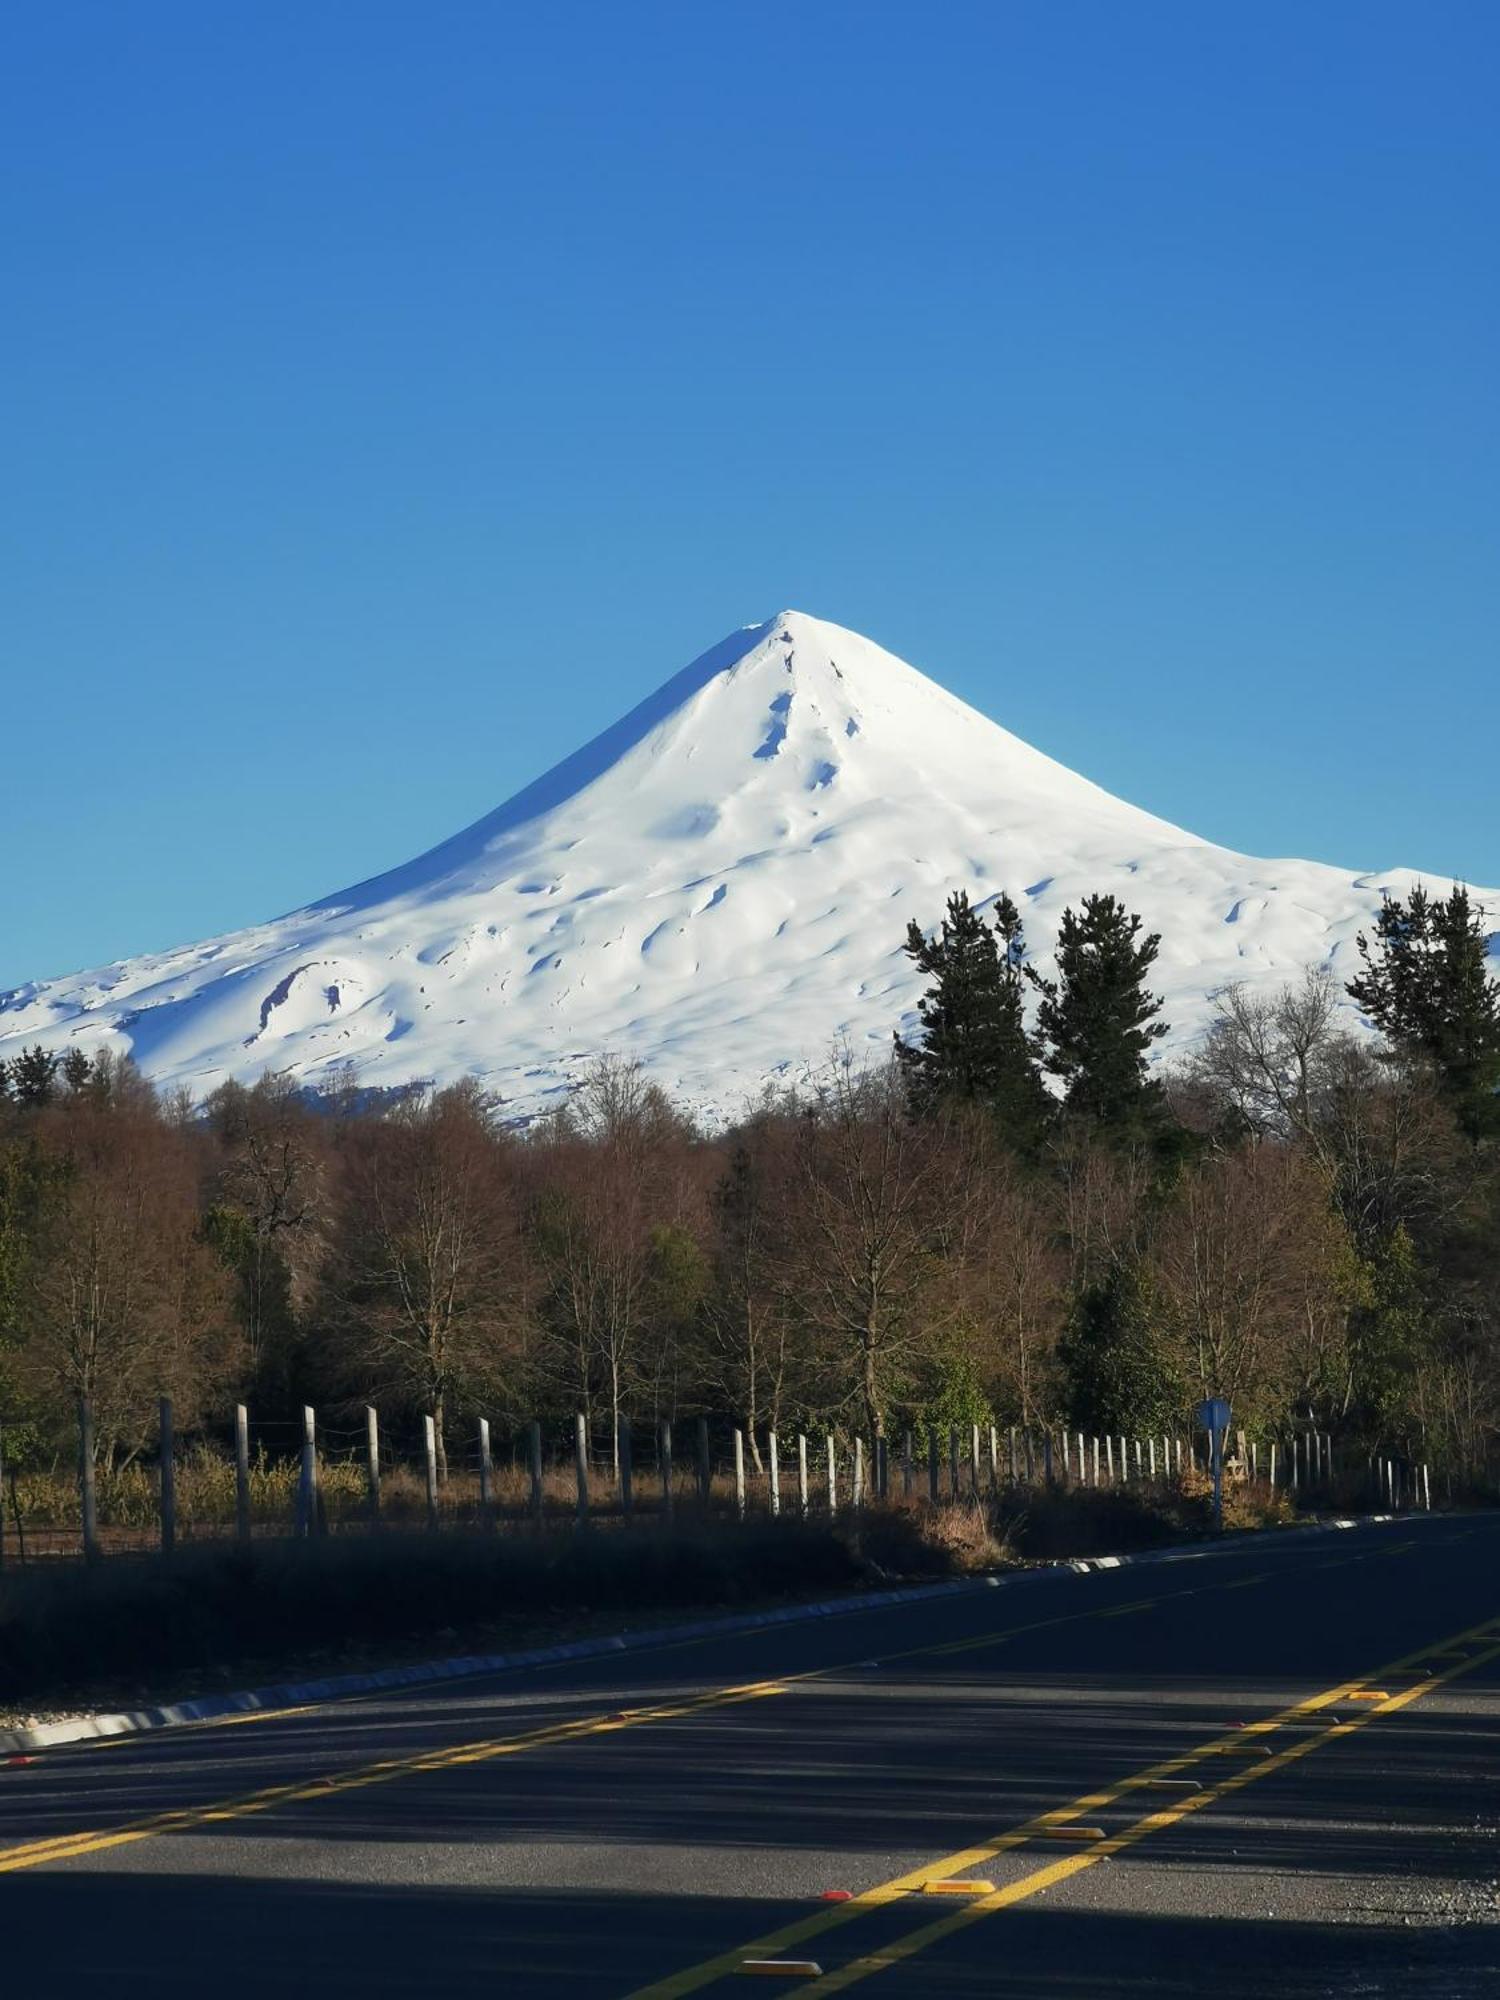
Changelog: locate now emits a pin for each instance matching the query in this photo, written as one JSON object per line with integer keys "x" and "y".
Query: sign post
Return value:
{"x": 1213, "y": 1416}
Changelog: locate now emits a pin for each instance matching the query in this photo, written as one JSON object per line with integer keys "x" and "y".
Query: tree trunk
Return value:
{"x": 437, "y": 1432}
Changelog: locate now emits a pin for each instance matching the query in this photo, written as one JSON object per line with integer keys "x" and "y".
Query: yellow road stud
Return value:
{"x": 1367, "y": 1694}
{"x": 959, "y": 1887}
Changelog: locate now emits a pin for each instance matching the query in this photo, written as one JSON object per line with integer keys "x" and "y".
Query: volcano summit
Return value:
{"x": 720, "y": 884}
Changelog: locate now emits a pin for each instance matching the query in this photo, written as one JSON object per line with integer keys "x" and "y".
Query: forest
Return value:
{"x": 1013, "y": 1216}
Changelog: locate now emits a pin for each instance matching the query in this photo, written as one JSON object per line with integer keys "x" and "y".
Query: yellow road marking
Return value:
{"x": 693, "y": 1978}
{"x": 1046, "y": 1878}
{"x": 65, "y": 1847}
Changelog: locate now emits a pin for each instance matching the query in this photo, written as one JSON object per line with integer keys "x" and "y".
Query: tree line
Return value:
{"x": 1018, "y": 1218}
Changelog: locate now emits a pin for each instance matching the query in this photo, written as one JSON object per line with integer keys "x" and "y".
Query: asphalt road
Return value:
{"x": 1291, "y": 1792}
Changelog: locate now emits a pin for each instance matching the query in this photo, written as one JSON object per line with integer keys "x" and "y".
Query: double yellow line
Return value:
{"x": 67, "y": 1847}
{"x": 1476, "y": 1645}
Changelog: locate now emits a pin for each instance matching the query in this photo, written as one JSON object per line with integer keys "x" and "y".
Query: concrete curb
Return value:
{"x": 333, "y": 1687}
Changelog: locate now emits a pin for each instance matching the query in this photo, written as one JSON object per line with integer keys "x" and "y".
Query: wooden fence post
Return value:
{"x": 705, "y": 1468}
{"x": 953, "y": 1461}
{"x": 802, "y": 1475}
{"x": 168, "y": 1476}
{"x": 858, "y": 1484}
{"x": 994, "y": 1460}
{"x": 486, "y": 1475}
{"x": 429, "y": 1452}
{"x": 622, "y": 1459}
{"x": 88, "y": 1501}
{"x": 372, "y": 1463}
{"x": 307, "y": 1483}
{"x": 241, "y": 1472}
{"x": 974, "y": 1460}
{"x": 581, "y": 1464}
{"x": 739, "y": 1474}
{"x": 774, "y": 1471}
{"x": 933, "y": 1475}
{"x": 664, "y": 1456}
{"x": 1030, "y": 1461}
{"x": 534, "y": 1466}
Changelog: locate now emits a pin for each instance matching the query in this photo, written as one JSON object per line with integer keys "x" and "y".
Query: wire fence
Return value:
{"x": 320, "y": 1477}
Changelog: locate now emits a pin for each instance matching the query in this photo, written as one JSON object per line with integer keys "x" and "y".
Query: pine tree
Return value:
{"x": 76, "y": 1071}
{"x": 33, "y": 1077}
{"x": 1426, "y": 986}
{"x": 1097, "y": 1019}
{"x": 974, "y": 1047}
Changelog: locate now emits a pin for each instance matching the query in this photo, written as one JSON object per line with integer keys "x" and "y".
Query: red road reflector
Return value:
{"x": 12, "y": 1762}
{"x": 835, "y": 1896}
{"x": 783, "y": 1968}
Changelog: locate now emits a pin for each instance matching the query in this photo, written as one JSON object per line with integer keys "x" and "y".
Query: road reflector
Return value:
{"x": 12, "y": 1762}
{"x": 1367, "y": 1694}
{"x": 1072, "y": 1832}
{"x": 965, "y": 1886}
{"x": 1172, "y": 1784}
{"x": 836, "y": 1896}
{"x": 1243, "y": 1750}
{"x": 784, "y": 1968}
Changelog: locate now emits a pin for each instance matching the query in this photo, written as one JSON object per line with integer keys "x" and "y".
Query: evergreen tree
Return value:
{"x": 974, "y": 1046}
{"x": 76, "y": 1071}
{"x": 33, "y": 1077}
{"x": 1097, "y": 1019}
{"x": 1426, "y": 986}
{"x": 1117, "y": 1367}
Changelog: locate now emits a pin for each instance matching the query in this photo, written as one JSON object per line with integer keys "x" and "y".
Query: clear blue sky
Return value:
{"x": 394, "y": 393}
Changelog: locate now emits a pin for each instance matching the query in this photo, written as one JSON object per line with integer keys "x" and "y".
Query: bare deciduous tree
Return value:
{"x": 427, "y": 1281}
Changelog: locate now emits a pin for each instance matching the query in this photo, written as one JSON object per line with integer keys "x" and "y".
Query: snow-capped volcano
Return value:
{"x": 720, "y": 884}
